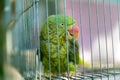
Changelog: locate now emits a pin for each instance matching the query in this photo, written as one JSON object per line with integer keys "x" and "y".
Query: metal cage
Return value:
{"x": 99, "y": 38}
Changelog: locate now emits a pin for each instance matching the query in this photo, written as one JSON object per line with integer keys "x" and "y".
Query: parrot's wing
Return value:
{"x": 74, "y": 51}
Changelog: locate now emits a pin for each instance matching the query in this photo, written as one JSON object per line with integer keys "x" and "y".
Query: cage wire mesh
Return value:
{"x": 99, "y": 39}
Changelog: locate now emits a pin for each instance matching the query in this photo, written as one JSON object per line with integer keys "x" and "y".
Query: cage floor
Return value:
{"x": 110, "y": 75}
{"x": 87, "y": 77}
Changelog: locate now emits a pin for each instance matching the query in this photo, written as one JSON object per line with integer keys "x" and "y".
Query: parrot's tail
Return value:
{"x": 85, "y": 63}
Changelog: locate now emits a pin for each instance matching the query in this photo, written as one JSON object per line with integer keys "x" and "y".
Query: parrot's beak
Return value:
{"x": 73, "y": 32}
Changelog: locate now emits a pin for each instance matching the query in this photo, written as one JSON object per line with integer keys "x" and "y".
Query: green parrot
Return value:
{"x": 53, "y": 43}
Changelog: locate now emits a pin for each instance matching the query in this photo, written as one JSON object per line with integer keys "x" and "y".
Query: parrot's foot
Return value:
{"x": 86, "y": 64}
{"x": 47, "y": 75}
{"x": 71, "y": 74}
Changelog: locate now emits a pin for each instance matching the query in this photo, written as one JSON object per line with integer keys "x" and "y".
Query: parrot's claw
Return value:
{"x": 71, "y": 74}
{"x": 47, "y": 74}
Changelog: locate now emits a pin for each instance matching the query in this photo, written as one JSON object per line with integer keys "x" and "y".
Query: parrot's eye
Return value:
{"x": 61, "y": 24}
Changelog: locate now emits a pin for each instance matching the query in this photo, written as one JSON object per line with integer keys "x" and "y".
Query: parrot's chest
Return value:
{"x": 54, "y": 46}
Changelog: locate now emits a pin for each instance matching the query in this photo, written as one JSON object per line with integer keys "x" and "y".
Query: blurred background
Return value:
{"x": 2, "y": 39}
{"x": 20, "y": 23}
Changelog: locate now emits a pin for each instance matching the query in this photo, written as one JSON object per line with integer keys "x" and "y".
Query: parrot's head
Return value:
{"x": 62, "y": 23}
{"x": 73, "y": 32}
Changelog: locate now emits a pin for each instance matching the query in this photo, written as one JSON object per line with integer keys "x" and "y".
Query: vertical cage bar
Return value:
{"x": 19, "y": 38}
{"x": 35, "y": 14}
{"x": 56, "y": 12}
{"x": 48, "y": 40}
{"x": 98, "y": 32}
{"x": 112, "y": 38}
{"x": 30, "y": 25}
{"x": 73, "y": 37}
{"x": 23, "y": 18}
{"x": 28, "y": 45}
{"x": 37, "y": 19}
{"x": 20, "y": 30}
{"x": 104, "y": 15}
{"x": 118, "y": 14}
{"x": 90, "y": 36}
{"x": 66, "y": 38}
{"x": 81, "y": 34}
{"x": 34, "y": 39}
{"x": 118, "y": 17}
{"x": 30, "y": 35}
{"x": 23, "y": 21}
{"x": 27, "y": 21}
{"x": 26, "y": 38}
